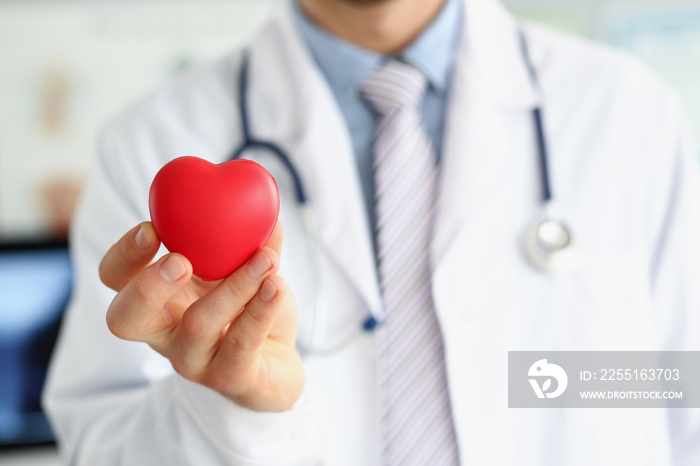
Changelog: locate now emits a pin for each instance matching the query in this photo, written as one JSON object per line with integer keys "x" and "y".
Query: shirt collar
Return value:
{"x": 346, "y": 65}
{"x": 433, "y": 51}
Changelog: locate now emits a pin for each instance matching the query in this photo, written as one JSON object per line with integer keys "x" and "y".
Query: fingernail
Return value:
{"x": 260, "y": 264}
{"x": 143, "y": 240}
{"x": 268, "y": 290}
{"x": 172, "y": 269}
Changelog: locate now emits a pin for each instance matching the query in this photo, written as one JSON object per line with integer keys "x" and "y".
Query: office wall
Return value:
{"x": 67, "y": 65}
{"x": 663, "y": 33}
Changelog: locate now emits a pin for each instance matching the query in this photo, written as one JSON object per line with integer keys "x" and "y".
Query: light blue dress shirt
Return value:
{"x": 346, "y": 65}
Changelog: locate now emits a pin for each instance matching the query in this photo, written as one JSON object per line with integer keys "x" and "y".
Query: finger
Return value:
{"x": 253, "y": 326}
{"x": 200, "y": 329}
{"x": 246, "y": 335}
{"x": 138, "y": 311}
{"x": 129, "y": 256}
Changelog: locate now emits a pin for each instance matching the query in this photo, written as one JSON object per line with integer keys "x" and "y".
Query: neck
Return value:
{"x": 384, "y": 26}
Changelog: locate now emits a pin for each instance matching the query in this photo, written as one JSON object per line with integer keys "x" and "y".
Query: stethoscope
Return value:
{"x": 548, "y": 243}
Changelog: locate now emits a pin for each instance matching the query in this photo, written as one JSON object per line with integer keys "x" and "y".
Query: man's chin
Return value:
{"x": 366, "y": 2}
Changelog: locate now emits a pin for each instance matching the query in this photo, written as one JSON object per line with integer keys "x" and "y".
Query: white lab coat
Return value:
{"x": 623, "y": 171}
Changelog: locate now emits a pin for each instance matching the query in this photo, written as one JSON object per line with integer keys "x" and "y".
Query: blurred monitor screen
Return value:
{"x": 35, "y": 285}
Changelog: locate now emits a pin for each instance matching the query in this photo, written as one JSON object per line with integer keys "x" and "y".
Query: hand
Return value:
{"x": 236, "y": 336}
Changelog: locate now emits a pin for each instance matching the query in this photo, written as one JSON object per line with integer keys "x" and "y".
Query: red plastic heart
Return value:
{"x": 217, "y": 216}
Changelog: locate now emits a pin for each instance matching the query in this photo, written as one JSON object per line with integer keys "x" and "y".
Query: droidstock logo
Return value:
{"x": 541, "y": 375}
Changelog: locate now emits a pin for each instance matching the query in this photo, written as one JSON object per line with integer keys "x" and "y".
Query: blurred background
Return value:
{"x": 67, "y": 65}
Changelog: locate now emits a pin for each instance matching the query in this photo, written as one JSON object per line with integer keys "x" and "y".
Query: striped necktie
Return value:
{"x": 416, "y": 412}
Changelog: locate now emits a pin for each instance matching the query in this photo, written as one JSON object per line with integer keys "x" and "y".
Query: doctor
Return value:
{"x": 192, "y": 379}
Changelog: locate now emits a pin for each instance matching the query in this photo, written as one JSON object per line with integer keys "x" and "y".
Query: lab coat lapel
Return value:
{"x": 491, "y": 92}
{"x": 489, "y": 82}
{"x": 291, "y": 103}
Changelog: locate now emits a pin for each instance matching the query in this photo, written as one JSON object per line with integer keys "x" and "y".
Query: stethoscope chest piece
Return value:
{"x": 550, "y": 247}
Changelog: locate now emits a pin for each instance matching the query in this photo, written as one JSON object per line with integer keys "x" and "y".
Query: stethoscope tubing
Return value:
{"x": 250, "y": 142}
{"x": 542, "y": 146}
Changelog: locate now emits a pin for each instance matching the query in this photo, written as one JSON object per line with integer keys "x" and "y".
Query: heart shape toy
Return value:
{"x": 217, "y": 216}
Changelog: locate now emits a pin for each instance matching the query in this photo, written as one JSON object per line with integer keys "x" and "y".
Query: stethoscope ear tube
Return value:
{"x": 250, "y": 142}
{"x": 548, "y": 243}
